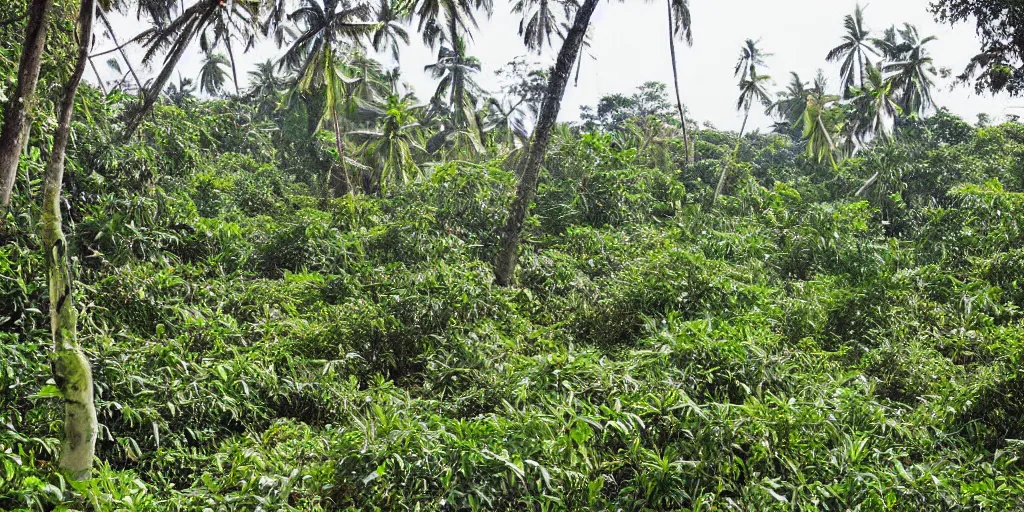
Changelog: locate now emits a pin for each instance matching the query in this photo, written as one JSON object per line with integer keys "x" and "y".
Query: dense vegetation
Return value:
{"x": 826, "y": 317}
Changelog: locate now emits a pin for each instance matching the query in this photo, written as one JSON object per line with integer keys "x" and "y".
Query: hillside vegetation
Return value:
{"x": 314, "y": 295}
{"x": 257, "y": 348}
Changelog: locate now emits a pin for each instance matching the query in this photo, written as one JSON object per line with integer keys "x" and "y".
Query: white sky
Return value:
{"x": 630, "y": 47}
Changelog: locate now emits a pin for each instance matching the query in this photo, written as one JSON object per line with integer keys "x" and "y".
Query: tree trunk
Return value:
{"x": 345, "y": 182}
{"x": 120, "y": 49}
{"x": 234, "y": 69}
{"x": 505, "y": 264}
{"x": 16, "y": 115}
{"x": 99, "y": 79}
{"x": 150, "y": 95}
{"x": 675, "y": 76}
{"x": 725, "y": 169}
{"x": 70, "y": 368}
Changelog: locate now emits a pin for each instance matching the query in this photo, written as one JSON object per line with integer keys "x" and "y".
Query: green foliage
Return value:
{"x": 256, "y": 346}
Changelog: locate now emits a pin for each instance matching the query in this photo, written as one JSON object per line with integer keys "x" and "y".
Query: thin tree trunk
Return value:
{"x": 234, "y": 70}
{"x": 346, "y": 183}
{"x": 151, "y": 94}
{"x": 675, "y": 76}
{"x": 16, "y": 114}
{"x": 70, "y": 368}
{"x": 505, "y": 264}
{"x": 725, "y": 169}
{"x": 99, "y": 79}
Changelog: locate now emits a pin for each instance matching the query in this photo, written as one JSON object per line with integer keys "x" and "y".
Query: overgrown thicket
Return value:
{"x": 792, "y": 346}
{"x": 262, "y": 340}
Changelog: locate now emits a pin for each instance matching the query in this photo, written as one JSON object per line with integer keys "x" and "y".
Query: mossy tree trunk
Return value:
{"x": 70, "y": 368}
{"x": 15, "y": 128}
{"x": 505, "y": 265}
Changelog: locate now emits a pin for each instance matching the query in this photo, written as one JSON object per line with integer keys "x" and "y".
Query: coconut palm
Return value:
{"x": 875, "y": 107}
{"x": 853, "y": 51}
{"x": 790, "y": 104}
{"x": 181, "y": 92}
{"x": 207, "y": 20}
{"x": 390, "y": 150}
{"x": 816, "y": 129}
{"x": 391, "y": 17}
{"x": 679, "y": 23}
{"x": 914, "y": 74}
{"x": 541, "y": 19}
{"x": 212, "y": 74}
{"x": 328, "y": 29}
{"x": 455, "y": 70}
{"x": 752, "y": 89}
{"x": 265, "y": 87}
{"x": 444, "y": 20}
{"x": 750, "y": 58}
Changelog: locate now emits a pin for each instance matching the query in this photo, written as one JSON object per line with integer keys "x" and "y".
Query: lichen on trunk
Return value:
{"x": 71, "y": 369}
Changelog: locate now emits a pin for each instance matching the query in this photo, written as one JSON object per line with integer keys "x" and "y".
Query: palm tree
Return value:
{"x": 540, "y": 20}
{"x": 15, "y": 127}
{"x": 750, "y": 58}
{"x": 816, "y": 129}
{"x": 790, "y": 103}
{"x": 875, "y": 107}
{"x": 212, "y": 75}
{"x": 265, "y": 87}
{"x": 853, "y": 51}
{"x": 914, "y": 74}
{"x": 752, "y": 89}
{"x": 505, "y": 263}
{"x": 455, "y": 70}
{"x": 391, "y": 149}
{"x": 328, "y": 26}
{"x": 182, "y": 92}
{"x": 679, "y": 23}
{"x": 459, "y": 17}
{"x": 391, "y": 19}
{"x": 206, "y": 20}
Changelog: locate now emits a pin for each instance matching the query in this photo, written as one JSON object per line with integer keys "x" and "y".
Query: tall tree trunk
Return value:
{"x": 70, "y": 368}
{"x": 151, "y": 94}
{"x": 99, "y": 79}
{"x": 725, "y": 169}
{"x": 505, "y": 265}
{"x": 120, "y": 49}
{"x": 345, "y": 182}
{"x": 675, "y": 76}
{"x": 16, "y": 115}
{"x": 234, "y": 69}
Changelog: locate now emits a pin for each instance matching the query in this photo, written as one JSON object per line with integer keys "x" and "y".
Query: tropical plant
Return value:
{"x": 914, "y": 73}
{"x": 391, "y": 150}
{"x": 318, "y": 57}
{"x": 210, "y": 21}
{"x": 212, "y": 74}
{"x": 457, "y": 89}
{"x": 999, "y": 64}
{"x": 752, "y": 89}
{"x": 541, "y": 19}
{"x": 855, "y": 52}
{"x": 751, "y": 57}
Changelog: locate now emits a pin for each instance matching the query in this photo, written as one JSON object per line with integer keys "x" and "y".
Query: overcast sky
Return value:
{"x": 630, "y": 47}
